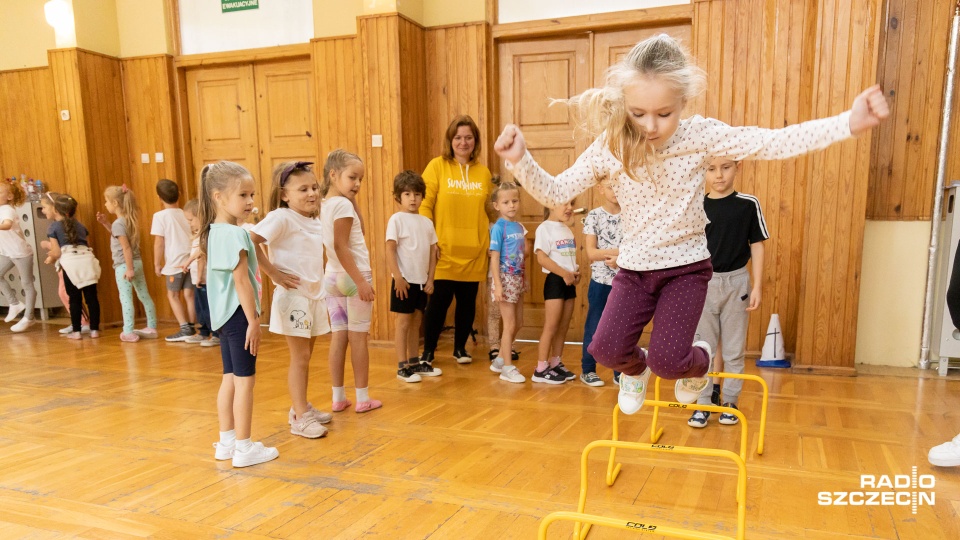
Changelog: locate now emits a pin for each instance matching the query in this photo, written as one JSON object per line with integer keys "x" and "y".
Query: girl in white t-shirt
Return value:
{"x": 294, "y": 236}
{"x": 348, "y": 278}
{"x": 556, "y": 252}
{"x": 15, "y": 252}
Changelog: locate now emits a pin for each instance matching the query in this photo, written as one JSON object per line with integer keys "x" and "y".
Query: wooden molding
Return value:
{"x": 80, "y": 49}
{"x": 333, "y": 38}
{"x": 145, "y": 57}
{"x": 281, "y": 52}
{"x": 454, "y": 25}
{"x": 24, "y": 69}
{"x": 173, "y": 24}
{"x": 601, "y": 21}
{"x": 838, "y": 371}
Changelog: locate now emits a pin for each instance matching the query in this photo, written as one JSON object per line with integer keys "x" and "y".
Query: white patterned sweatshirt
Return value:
{"x": 662, "y": 217}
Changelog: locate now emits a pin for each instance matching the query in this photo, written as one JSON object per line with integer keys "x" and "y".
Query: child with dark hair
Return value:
{"x": 412, "y": 259}
{"x": 171, "y": 251}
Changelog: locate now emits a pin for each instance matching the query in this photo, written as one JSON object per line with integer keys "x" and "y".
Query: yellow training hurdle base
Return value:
{"x": 655, "y": 433}
{"x": 580, "y": 517}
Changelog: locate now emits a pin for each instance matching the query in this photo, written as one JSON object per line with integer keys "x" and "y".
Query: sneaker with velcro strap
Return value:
{"x": 699, "y": 419}
{"x": 728, "y": 419}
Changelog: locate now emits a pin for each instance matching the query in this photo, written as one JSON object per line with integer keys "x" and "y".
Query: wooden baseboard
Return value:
{"x": 824, "y": 370}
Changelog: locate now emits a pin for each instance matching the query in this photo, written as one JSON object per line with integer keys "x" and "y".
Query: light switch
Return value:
{"x": 158, "y": 157}
{"x": 377, "y": 141}
{"x": 144, "y": 158}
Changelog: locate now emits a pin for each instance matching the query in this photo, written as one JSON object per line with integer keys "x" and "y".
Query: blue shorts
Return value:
{"x": 236, "y": 359}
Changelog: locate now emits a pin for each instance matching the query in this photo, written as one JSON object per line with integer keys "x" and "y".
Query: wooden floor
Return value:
{"x": 100, "y": 439}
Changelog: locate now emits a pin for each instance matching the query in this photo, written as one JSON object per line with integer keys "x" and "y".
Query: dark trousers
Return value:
{"x": 444, "y": 291}
{"x": 675, "y": 298}
{"x": 77, "y": 296}
{"x": 202, "y": 307}
{"x": 597, "y": 294}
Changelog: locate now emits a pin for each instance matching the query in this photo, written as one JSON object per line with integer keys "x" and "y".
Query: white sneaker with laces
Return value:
{"x": 14, "y": 310}
{"x": 224, "y": 451}
{"x": 496, "y": 365}
{"x": 689, "y": 389}
{"x": 633, "y": 391}
{"x": 67, "y": 330}
{"x": 22, "y": 325}
{"x": 196, "y": 338}
{"x": 255, "y": 455}
{"x": 946, "y": 454}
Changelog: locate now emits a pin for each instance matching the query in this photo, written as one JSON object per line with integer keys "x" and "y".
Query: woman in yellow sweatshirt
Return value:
{"x": 457, "y": 190}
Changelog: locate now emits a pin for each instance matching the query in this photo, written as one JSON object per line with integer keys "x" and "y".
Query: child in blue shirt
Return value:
{"x": 508, "y": 247}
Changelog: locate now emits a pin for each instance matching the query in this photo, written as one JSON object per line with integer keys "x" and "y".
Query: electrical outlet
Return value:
{"x": 144, "y": 158}
{"x": 158, "y": 157}
{"x": 377, "y": 141}
{"x": 64, "y": 115}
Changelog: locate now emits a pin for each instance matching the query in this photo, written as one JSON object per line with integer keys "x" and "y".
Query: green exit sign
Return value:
{"x": 227, "y": 6}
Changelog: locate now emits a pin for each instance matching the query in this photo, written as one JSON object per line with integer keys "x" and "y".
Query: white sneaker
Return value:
{"x": 212, "y": 342}
{"x": 496, "y": 365}
{"x": 946, "y": 454}
{"x": 224, "y": 451}
{"x": 322, "y": 417}
{"x": 512, "y": 374}
{"x": 196, "y": 338}
{"x": 22, "y": 325}
{"x": 256, "y": 454}
{"x": 14, "y": 310}
{"x": 633, "y": 391}
{"x": 67, "y": 329}
{"x": 689, "y": 389}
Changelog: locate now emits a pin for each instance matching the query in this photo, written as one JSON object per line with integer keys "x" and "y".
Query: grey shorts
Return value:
{"x": 178, "y": 282}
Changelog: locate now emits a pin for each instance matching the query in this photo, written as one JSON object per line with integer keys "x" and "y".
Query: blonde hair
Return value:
{"x": 16, "y": 192}
{"x": 128, "y": 209}
{"x": 602, "y": 110}
{"x": 222, "y": 176}
{"x": 337, "y": 161}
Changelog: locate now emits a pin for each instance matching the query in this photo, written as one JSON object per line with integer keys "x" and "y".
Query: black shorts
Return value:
{"x": 416, "y": 299}
{"x": 554, "y": 288}
{"x": 236, "y": 359}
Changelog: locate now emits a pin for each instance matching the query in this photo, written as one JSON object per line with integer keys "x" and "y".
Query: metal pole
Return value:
{"x": 938, "y": 190}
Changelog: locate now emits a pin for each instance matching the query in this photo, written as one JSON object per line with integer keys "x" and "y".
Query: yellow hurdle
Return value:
{"x": 637, "y": 524}
{"x": 655, "y": 433}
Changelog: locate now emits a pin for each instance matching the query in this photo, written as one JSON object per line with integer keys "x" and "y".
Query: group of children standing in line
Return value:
{"x": 647, "y": 243}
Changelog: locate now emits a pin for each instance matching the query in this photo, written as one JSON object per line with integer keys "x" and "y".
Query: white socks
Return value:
{"x": 244, "y": 444}
{"x": 228, "y": 438}
{"x": 339, "y": 394}
{"x": 362, "y": 395}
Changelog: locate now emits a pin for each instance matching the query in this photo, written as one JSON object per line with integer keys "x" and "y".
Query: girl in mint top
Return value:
{"x": 226, "y": 199}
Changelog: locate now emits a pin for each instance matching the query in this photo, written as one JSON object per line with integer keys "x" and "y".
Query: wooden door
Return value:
{"x": 610, "y": 47}
{"x": 223, "y": 126}
{"x": 531, "y": 74}
{"x": 286, "y": 121}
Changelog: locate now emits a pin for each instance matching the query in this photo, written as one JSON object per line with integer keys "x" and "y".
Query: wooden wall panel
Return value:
{"x": 413, "y": 97}
{"x": 914, "y": 38}
{"x": 30, "y": 138}
{"x": 149, "y": 101}
{"x": 753, "y": 54}
{"x": 845, "y": 64}
{"x": 456, "y": 83}
{"x": 94, "y": 146}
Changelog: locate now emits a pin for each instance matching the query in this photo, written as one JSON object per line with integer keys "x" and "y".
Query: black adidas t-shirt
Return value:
{"x": 736, "y": 221}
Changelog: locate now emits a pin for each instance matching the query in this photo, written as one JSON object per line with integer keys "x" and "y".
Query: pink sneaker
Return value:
{"x": 129, "y": 337}
{"x": 366, "y": 406}
{"x": 340, "y": 405}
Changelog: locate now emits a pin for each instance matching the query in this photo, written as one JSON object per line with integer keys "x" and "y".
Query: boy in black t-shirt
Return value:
{"x": 735, "y": 237}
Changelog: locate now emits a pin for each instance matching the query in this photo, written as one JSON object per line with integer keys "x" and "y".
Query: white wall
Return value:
{"x": 530, "y": 10}
{"x": 203, "y": 28}
{"x": 892, "y": 288}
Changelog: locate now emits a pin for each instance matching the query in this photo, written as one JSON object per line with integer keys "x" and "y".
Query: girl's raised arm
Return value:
{"x": 592, "y": 166}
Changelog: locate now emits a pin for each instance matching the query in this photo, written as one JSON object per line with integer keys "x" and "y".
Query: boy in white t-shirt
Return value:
{"x": 171, "y": 250}
{"x": 412, "y": 258}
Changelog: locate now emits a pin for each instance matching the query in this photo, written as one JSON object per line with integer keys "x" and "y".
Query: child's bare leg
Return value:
{"x": 337, "y": 357}
{"x": 413, "y": 335}
{"x": 404, "y": 323}
{"x": 191, "y": 306}
{"x": 225, "y": 402}
{"x": 177, "y": 306}
{"x": 556, "y": 348}
{"x": 360, "y": 358}
{"x": 301, "y": 349}
{"x": 552, "y": 313}
{"x": 243, "y": 405}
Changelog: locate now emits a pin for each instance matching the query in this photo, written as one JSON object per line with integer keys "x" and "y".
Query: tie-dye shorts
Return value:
{"x": 347, "y": 311}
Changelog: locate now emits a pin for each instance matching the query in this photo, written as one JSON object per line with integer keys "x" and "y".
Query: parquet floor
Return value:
{"x": 100, "y": 439}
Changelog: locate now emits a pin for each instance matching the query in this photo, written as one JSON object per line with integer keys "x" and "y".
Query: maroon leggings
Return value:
{"x": 675, "y": 297}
